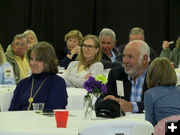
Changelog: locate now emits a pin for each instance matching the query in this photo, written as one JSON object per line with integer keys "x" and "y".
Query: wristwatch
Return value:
{"x": 70, "y": 54}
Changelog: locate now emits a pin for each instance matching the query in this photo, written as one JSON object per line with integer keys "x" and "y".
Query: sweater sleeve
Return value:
{"x": 165, "y": 53}
{"x": 58, "y": 96}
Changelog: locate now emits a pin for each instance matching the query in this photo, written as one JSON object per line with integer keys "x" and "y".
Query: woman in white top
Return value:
{"x": 88, "y": 63}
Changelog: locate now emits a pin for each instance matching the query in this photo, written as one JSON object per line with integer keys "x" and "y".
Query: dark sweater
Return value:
{"x": 53, "y": 92}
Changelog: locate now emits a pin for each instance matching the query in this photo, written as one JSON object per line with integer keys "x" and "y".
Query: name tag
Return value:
{"x": 120, "y": 88}
{"x": 8, "y": 72}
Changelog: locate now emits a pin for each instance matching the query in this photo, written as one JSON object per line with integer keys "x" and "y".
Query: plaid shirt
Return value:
{"x": 136, "y": 90}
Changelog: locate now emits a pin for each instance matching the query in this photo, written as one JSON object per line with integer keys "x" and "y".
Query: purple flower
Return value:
{"x": 93, "y": 86}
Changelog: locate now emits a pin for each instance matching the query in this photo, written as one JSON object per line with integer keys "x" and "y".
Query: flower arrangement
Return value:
{"x": 95, "y": 86}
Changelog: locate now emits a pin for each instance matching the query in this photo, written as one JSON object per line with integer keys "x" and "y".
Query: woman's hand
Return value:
{"x": 165, "y": 45}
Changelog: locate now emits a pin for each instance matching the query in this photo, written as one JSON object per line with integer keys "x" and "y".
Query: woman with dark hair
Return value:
{"x": 43, "y": 86}
{"x": 162, "y": 98}
{"x": 88, "y": 62}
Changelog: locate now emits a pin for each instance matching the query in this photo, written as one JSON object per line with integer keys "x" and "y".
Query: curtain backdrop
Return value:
{"x": 52, "y": 19}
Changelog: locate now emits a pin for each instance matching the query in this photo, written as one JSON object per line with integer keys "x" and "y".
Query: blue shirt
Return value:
{"x": 113, "y": 58}
{"x": 6, "y": 74}
{"x": 137, "y": 90}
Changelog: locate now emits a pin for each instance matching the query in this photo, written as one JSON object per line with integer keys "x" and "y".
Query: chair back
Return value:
{"x": 159, "y": 129}
{"x": 119, "y": 127}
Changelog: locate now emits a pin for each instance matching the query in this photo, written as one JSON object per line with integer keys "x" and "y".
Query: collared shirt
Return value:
{"x": 113, "y": 58}
{"x": 137, "y": 90}
{"x": 23, "y": 66}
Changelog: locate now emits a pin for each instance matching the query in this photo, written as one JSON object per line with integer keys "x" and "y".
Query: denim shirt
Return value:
{"x": 6, "y": 77}
{"x": 161, "y": 102}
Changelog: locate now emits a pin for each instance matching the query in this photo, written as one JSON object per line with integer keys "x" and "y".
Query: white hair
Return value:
{"x": 143, "y": 48}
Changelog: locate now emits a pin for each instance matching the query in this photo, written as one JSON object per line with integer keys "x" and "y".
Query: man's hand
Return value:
{"x": 125, "y": 105}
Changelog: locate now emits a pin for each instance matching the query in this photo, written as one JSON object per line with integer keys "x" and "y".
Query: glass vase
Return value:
{"x": 88, "y": 107}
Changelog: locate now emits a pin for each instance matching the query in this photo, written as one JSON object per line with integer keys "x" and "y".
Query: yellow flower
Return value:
{"x": 101, "y": 78}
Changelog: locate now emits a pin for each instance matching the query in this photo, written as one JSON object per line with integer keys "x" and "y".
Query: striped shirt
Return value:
{"x": 137, "y": 90}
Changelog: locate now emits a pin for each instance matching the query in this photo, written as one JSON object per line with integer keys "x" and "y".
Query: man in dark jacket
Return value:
{"x": 110, "y": 54}
{"x": 132, "y": 74}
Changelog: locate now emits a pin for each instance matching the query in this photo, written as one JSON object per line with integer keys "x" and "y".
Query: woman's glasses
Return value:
{"x": 88, "y": 46}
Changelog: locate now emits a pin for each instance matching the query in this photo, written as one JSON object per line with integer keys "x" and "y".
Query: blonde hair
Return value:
{"x": 161, "y": 73}
{"x": 2, "y": 56}
{"x": 73, "y": 33}
{"x": 27, "y": 32}
{"x": 97, "y": 58}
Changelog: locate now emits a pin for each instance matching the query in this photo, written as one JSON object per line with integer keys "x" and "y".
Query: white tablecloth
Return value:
{"x": 30, "y": 123}
{"x": 6, "y": 93}
{"x": 75, "y": 97}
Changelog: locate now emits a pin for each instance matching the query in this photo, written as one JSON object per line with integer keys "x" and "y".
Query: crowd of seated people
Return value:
{"x": 148, "y": 82}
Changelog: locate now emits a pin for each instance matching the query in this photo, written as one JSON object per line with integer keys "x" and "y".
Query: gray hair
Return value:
{"x": 143, "y": 48}
{"x": 20, "y": 36}
{"x": 107, "y": 32}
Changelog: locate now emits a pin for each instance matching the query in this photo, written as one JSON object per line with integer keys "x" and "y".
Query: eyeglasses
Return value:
{"x": 21, "y": 45}
{"x": 87, "y": 46}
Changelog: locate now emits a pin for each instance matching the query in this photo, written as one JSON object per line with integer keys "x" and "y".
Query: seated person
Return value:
{"x": 137, "y": 33}
{"x": 31, "y": 37}
{"x": 88, "y": 63}
{"x": 43, "y": 86}
{"x": 174, "y": 55}
{"x": 110, "y": 54}
{"x": 6, "y": 70}
{"x": 132, "y": 73}
{"x": 15, "y": 55}
{"x": 72, "y": 47}
{"x": 162, "y": 98}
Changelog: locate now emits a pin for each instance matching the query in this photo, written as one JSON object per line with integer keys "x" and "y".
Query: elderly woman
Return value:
{"x": 43, "y": 86}
{"x": 31, "y": 37}
{"x": 174, "y": 55}
{"x": 72, "y": 47}
{"x": 6, "y": 70}
{"x": 88, "y": 62}
{"x": 162, "y": 98}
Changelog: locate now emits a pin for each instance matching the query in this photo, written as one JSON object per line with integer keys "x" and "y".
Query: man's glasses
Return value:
{"x": 87, "y": 46}
{"x": 20, "y": 45}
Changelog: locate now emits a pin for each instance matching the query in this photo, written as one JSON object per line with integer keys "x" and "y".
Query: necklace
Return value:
{"x": 31, "y": 98}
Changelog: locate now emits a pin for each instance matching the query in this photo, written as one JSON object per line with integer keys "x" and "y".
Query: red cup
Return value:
{"x": 61, "y": 117}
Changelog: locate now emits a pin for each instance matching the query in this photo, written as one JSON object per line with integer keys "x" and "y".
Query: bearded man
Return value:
{"x": 132, "y": 74}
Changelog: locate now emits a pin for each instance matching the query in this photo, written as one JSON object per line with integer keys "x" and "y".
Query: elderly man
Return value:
{"x": 15, "y": 55}
{"x": 110, "y": 55}
{"x": 137, "y": 33}
{"x": 132, "y": 75}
